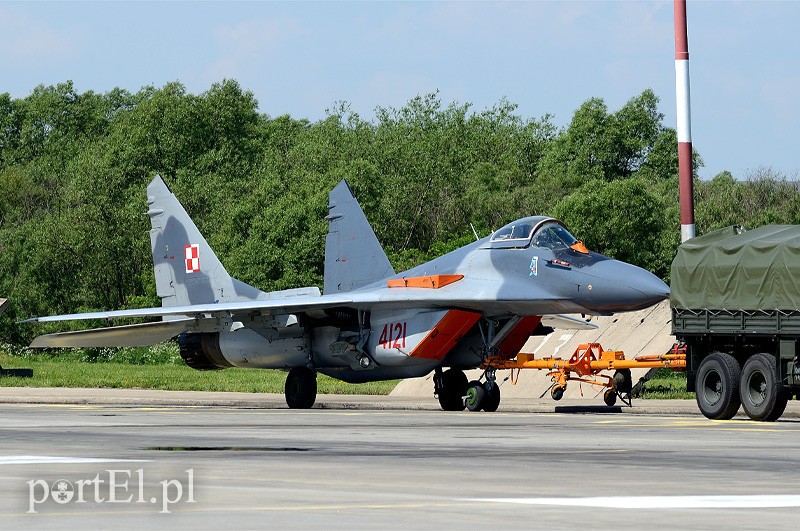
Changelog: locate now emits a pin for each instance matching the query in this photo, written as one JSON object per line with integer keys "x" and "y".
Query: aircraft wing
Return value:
{"x": 368, "y": 299}
{"x": 138, "y": 335}
{"x": 189, "y": 318}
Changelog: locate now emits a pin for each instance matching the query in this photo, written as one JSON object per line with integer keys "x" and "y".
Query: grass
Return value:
{"x": 159, "y": 367}
{"x": 666, "y": 384}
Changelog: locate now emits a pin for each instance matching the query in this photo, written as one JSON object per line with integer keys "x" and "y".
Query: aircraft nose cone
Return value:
{"x": 627, "y": 287}
{"x": 649, "y": 285}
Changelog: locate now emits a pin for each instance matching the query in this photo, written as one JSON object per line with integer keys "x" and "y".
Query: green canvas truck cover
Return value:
{"x": 737, "y": 269}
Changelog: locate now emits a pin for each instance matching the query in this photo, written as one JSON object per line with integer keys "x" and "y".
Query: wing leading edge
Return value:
{"x": 292, "y": 305}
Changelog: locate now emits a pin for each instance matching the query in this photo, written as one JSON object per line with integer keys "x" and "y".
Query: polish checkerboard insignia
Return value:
{"x": 192, "y": 256}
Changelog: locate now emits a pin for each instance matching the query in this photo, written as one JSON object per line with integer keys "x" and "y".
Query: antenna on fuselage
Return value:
{"x": 474, "y": 232}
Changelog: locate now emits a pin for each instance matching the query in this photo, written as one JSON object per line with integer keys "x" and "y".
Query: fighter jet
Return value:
{"x": 371, "y": 323}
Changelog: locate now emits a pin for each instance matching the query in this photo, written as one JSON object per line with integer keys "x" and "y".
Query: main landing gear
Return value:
{"x": 301, "y": 388}
{"x": 451, "y": 386}
{"x": 456, "y": 393}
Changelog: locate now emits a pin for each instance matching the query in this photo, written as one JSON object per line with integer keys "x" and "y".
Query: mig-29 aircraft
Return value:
{"x": 370, "y": 323}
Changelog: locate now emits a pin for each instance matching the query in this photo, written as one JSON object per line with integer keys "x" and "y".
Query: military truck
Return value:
{"x": 735, "y": 297}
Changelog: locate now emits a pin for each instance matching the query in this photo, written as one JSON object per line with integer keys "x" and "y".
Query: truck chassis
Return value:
{"x": 740, "y": 358}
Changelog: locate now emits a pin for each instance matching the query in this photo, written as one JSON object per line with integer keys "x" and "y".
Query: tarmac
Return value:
{"x": 147, "y": 397}
{"x": 78, "y": 458}
{"x": 137, "y": 459}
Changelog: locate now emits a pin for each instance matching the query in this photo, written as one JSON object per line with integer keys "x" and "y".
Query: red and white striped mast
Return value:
{"x": 685, "y": 170}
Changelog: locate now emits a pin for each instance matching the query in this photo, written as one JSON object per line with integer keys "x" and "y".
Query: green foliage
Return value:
{"x": 74, "y": 168}
{"x": 765, "y": 198}
{"x": 622, "y": 218}
{"x": 602, "y": 145}
{"x": 160, "y": 354}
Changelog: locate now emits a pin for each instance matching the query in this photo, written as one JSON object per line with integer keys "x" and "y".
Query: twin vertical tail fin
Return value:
{"x": 186, "y": 269}
{"x": 353, "y": 256}
{"x": 188, "y": 272}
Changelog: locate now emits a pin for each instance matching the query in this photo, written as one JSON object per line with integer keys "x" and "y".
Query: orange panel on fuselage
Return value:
{"x": 431, "y": 281}
{"x": 444, "y": 336}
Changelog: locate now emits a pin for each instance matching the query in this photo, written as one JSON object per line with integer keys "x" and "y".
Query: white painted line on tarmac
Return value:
{"x": 660, "y": 502}
{"x": 56, "y": 460}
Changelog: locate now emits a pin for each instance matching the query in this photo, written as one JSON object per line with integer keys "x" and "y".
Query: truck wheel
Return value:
{"x": 780, "y": 407}
{"x": 717, "y": 390}
{"x": 761, "y": 391}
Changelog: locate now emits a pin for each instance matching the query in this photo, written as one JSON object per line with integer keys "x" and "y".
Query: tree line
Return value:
{"x": 74, "y": 168}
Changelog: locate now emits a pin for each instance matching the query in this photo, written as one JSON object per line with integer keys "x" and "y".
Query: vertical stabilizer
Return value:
{"x": 353, "y": 256}
{"x": 187, "y": 270}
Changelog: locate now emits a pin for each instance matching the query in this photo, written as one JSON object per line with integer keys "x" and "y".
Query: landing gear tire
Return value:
{"x": 301, "y": 388}
{"x": 610, "y": 397}
{"x": 557, "y": 393}
{"x": 762, "y": 394}
{"x": 717, "y": 389}
{"x": 475, "y": 396}
{"x": 454, "y": 386}
{"x": 492, "y": 399}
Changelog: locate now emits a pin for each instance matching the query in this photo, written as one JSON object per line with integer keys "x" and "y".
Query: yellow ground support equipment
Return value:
{"x": 587, "y": 364}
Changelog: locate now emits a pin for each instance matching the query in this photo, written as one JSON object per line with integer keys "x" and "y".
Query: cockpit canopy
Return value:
{"x": 538, "y": 231}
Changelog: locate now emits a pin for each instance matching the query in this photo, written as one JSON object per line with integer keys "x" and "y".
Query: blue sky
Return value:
{"x": 300, "y": 58}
